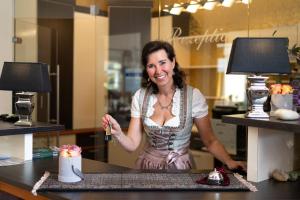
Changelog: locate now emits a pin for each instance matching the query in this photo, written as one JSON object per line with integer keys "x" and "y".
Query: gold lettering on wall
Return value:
{"x": 214, "y": 37}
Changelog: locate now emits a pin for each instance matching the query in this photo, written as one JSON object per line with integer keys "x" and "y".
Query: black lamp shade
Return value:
{"x": 25, "y": 77}
{"x": 259, "y": 56}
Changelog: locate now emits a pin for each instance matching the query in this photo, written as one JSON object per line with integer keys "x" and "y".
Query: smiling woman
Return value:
{"x": 101, "y": 51}
{"x": 166, "y": 108}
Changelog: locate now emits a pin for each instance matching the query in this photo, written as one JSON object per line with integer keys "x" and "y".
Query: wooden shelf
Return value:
{"x": 214, "y": 97}
{"x": 72, "y": 132}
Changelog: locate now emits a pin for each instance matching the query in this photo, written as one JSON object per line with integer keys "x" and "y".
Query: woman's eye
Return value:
{"x": 150, "y": 66}
{"x": 162, "y": 62}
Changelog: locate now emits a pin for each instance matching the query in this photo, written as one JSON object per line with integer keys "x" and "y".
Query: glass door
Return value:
{"x": 33, "y": 43}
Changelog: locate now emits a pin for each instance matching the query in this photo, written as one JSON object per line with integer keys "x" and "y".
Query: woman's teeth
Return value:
{"x": 160, "y": 76}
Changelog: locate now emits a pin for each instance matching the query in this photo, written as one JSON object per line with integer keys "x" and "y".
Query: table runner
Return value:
{"x": 139, "y": 181}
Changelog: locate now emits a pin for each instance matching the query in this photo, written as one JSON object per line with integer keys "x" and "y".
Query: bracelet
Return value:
{"x": 117, "y": 136}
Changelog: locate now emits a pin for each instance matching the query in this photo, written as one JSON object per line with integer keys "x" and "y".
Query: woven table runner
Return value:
{"x": 139, "y": 181}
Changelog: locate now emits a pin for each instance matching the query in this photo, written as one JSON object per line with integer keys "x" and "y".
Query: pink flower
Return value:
{"x": 70, "y": 150}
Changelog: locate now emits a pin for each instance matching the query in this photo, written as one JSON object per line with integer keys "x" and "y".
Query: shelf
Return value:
{"x": 7, "y": 128}
{"x": 214, "y": 97}
{"x": 73, "y": 131}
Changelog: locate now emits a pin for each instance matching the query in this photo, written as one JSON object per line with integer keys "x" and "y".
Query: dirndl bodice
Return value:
{"x": 167, "y": 146}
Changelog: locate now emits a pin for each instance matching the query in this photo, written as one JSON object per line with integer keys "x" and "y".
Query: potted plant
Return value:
{"x": 295, "y": 52}
{"x": 281, "y": 97}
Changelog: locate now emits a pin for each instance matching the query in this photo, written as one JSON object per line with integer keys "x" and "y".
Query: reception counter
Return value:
{"x": 270, "y": 144}
{"x": 20, "y": 179}
{"x": 17, "y": 141}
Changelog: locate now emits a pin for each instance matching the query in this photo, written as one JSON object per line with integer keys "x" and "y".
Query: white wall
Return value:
{"x": 6, "y": 47}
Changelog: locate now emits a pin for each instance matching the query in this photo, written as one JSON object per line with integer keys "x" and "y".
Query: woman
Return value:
{"x": 166, "y": 108}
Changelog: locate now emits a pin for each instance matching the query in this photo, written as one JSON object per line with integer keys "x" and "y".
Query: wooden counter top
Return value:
{"x": 271, "y": 123}
{"x": 7, "y": 128}
{"x": 23, "y": 177}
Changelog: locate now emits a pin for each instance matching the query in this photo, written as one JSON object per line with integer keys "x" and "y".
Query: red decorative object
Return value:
{"x": 225, "y": 182}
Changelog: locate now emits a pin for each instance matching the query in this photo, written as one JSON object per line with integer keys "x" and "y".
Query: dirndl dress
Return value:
{"x": 166, "y": 146}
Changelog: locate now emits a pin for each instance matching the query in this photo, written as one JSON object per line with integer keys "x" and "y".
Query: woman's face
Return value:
{"x": 160, "y": 68}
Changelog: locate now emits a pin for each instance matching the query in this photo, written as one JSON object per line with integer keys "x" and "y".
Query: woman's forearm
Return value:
{"x": 126, "y": 142}
{"x": 218, "y": 150}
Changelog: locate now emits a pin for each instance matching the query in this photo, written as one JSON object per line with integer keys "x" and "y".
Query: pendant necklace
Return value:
{"x": 167, "y": 106}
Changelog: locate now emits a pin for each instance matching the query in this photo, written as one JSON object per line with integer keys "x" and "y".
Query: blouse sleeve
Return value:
{"x": 135, "y": 107}
{"x": 200, "y": 107}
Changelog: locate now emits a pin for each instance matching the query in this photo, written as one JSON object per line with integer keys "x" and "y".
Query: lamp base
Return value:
{"x": 24, "y": 107}
{"x": 257, "y": 114}
{"x": 23, "y": 123}
{"x": 257, "y": 95}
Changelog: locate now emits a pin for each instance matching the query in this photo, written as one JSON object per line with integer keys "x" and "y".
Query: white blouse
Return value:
{"x": 199, "y": 107}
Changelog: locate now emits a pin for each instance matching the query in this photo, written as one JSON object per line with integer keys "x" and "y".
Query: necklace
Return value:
{"x": 165, "y": 107}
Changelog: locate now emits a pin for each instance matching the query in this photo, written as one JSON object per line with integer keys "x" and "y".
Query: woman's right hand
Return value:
{"x": 115, "y": 126}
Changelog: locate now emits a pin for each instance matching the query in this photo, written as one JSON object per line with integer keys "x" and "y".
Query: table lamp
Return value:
{"x": 257, "y": 57}
{"x": 25, "y": 78}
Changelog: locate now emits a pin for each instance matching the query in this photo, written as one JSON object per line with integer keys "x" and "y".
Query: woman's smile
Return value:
{"x": 160, "y": 76}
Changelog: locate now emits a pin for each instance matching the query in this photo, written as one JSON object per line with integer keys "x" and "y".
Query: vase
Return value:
{"x": 65, "y": 168}
{"x": 281, "y": 101}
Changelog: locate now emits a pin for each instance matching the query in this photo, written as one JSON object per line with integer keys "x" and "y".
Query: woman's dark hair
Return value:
{"x": 154, "y": 46}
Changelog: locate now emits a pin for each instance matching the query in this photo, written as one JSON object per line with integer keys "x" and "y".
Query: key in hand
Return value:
{"x": 108, "y": 132}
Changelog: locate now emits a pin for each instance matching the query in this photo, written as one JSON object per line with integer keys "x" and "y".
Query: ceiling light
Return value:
{"x": 192, "y": 7}
{"x": 210, "y": 4}
{"x": 227, "y": 3}
{"x": 246, "y": 1}
{"x": 166, "y": 8}
{"x": 176, "y": 9}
